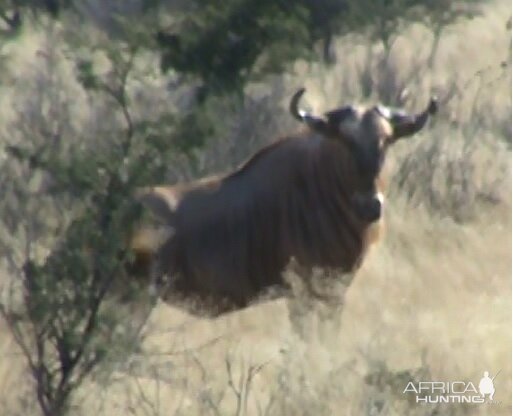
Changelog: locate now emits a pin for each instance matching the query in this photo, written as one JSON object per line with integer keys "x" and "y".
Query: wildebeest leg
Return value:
{"x": 329, "y": 313}
{"x": 315, "y": 310}
{"x": 301, "y": 316}
{"x": 315, "y": 320}
{"x": 316, "y": 300}
{"x": 300, "y": 304}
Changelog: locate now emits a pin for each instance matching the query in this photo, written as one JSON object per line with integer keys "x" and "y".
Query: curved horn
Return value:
{"x": 407, "y": 125}
{"x": 296, "y": 113}
{"x": 314, "y": 122}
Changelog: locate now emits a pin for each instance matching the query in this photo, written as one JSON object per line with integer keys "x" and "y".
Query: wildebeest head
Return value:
{"x": 368, "y": 131}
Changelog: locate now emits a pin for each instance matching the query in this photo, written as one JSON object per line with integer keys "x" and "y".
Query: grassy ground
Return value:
{"x": 432, "y": 301}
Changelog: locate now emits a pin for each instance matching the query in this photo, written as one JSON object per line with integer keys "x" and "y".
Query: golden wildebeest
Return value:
{"x": 314, "y": 196}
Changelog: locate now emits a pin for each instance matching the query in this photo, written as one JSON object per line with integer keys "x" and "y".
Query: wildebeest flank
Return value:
{"x": 313, "y": 196}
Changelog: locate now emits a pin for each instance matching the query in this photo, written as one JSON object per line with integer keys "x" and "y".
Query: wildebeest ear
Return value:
{"x": 162, "y": 202}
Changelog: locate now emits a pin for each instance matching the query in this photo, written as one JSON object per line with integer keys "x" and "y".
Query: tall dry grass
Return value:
{"x": 431, "y": 302}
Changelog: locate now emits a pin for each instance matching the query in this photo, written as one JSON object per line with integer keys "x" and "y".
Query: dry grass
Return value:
{"x": 432, "y": 300}
{"x": 431, "y": 296}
